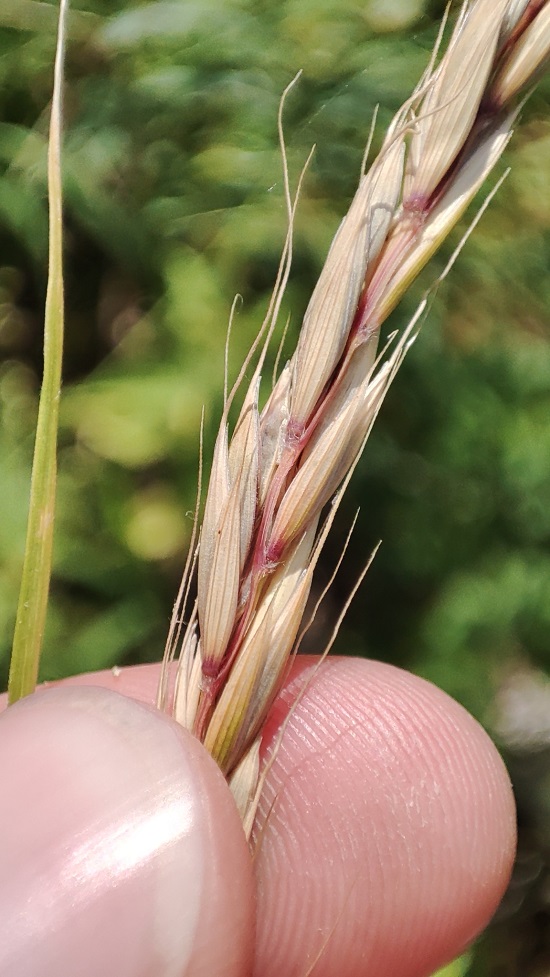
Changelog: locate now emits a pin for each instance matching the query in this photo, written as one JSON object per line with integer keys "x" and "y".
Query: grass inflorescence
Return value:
{"x": 263, "y": 526}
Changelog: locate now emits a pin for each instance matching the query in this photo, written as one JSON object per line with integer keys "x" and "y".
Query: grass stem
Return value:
{"x": 35, "y": 581}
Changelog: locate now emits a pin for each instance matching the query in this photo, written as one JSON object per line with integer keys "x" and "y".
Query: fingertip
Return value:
{"x": 122, "y": 851}
{"x": 387, "y": 829}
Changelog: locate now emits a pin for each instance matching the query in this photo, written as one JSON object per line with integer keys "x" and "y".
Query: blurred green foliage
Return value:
{"x": 173, "y": 203}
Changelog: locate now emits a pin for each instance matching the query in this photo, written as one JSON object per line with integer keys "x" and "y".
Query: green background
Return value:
{"x": 173, "y": 203}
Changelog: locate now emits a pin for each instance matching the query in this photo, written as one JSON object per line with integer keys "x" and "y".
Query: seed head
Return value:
{"x": 263, "y": 529}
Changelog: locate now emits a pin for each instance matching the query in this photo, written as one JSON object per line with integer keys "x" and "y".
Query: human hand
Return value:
{"x": 385, "y": 836}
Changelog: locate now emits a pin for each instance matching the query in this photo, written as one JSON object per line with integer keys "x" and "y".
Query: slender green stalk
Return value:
{"x": 35, "y": 582}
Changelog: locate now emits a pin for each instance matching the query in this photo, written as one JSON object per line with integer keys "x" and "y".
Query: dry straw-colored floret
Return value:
{"x": 263, "y": 528}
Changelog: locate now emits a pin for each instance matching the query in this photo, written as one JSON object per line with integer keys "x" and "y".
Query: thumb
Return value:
{"x": 121, "y": 851}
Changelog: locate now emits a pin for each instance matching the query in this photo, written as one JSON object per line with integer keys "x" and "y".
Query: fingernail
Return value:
{"x": 105, "y": 846}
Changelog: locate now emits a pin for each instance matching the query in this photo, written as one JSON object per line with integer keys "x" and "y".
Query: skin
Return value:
{"x": 385, "y": 837}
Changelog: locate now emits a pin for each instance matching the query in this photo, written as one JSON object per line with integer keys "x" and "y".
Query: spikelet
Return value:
{"x": 263, "y": 530}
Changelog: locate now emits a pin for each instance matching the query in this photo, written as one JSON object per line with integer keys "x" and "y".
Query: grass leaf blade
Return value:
{"x": 35, "y": 582}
